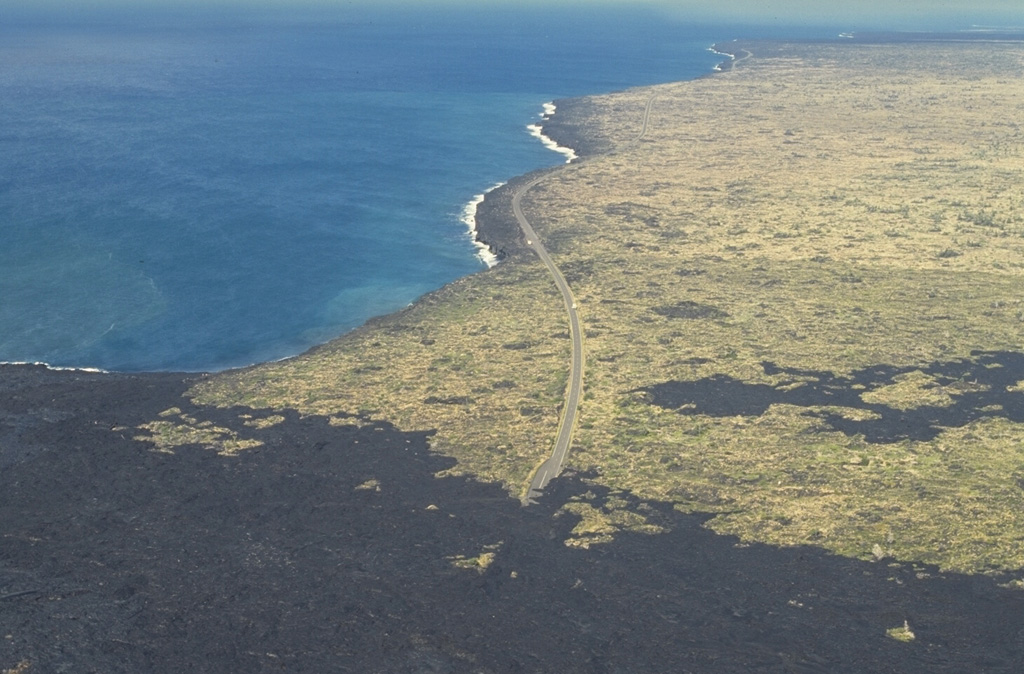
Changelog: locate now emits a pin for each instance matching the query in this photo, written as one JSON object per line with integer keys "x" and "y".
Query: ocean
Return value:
{"x": 198, "y": 192}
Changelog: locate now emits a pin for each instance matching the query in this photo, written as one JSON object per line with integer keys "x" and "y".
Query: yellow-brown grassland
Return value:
{"x": 803, "y": 313}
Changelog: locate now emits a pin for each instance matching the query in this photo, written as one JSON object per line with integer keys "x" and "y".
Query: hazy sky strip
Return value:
{"x": 852, "y": 14}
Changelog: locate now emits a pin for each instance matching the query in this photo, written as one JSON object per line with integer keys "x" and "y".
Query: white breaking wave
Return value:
{"x": 537, "y": 131}
{"x": 718, "y": 68}
{"x": 469, "y": 210}
{"x": 54, "y": 368}
{"x": 469, "y": 219}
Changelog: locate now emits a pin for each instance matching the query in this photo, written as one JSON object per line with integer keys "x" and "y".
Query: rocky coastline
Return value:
{"x": 343, "y": 543}
{"x": 496, "y": 227}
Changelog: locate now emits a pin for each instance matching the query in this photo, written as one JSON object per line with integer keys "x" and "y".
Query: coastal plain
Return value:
{"x": 801, "y": 292}
{"x": 800, "y": 445}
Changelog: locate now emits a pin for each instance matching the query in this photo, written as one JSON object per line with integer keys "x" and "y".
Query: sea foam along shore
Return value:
{"x": 468, "y": 217}
{"x": 537, "y": 131}
{"x": 718, "y": 68}
{"x": 54, "y": 368}
{"x": 469, "y": 211}
{"x": 483, "y": 251}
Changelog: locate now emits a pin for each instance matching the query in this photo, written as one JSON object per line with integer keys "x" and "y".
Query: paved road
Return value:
{"x": 553, "y": 465}
{"x": 550, "y": 469}
{"x": 647, "y": 118}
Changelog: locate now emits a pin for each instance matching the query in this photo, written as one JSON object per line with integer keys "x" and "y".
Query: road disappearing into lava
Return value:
{"x": 553, "y": 465}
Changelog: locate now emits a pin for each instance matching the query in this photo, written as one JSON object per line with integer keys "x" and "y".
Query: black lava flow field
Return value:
{"x": 331, "y": 547}
{"x": 989, "y": 381}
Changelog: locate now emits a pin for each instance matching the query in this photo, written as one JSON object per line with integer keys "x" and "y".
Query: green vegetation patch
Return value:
{"x": 599, "y": 522}
{"x": 480, "y": 562}
{"x": 443, "y": 364}
{"x": 689, "y": 309}
{"x": 902, "y": 633}
{"x": 801, "y": 302}
{"x": 176, "y": 430}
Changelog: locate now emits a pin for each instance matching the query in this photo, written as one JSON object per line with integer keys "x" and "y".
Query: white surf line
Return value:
{"x": 54, "y": 368}
{"x": 537, "y": 131}
{"x": 469, "y": 219}
{"x": 718, "y": 68}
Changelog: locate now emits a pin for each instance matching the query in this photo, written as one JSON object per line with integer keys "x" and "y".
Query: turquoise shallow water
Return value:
{"x": 201, "y": 193}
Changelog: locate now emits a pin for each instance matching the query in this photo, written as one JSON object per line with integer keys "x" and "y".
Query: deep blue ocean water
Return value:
{"x": 194, "y": 193}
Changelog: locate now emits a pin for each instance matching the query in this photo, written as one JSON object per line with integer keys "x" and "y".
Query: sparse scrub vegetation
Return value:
{"x": 902, "y": 633}
{"x": 713, "y": 257}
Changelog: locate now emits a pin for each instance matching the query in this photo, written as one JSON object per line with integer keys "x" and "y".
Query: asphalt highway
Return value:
{"x": 552, "y": 466}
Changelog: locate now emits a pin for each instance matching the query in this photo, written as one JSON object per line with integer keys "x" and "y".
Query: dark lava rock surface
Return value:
{"x": 117, "y": 558}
